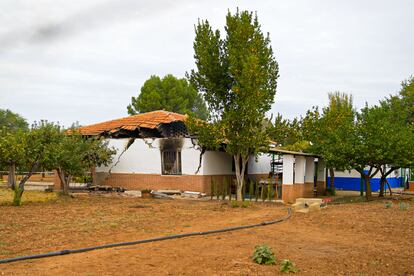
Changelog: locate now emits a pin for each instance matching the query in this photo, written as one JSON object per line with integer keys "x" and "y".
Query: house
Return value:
{"x": 155, "y": 151}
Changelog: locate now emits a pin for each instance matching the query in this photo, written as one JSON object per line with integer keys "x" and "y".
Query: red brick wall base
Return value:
{"x": 195, "y": 183}
{"x": 320, "y": 187}
{"x": 291, "y": 192}
{"x": 308, "y": 189}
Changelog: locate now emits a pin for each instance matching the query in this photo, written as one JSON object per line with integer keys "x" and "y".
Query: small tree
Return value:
{"x": 11, "y": 122}
{"x": 76, "y": 155}
{"x": 171, "y": 94}
{"x": 331, "y": 132}
{"x": 30, "y": 150}
{"x": 238, "y": 77}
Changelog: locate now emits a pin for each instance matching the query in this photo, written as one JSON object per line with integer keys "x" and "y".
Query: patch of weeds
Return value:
{"x": 287, "y": 266}
{"x": 263, "y": 255}
{"x": 234, "y": 204}
{"x": 113, "y": 224}
{"x": 388, "y": 205}
{"x": 330, "y": 192}
{"x": 245, "y": 204}
{"x": 412, "y": 199}
{"x": 404, "y": 206}
{"x": 6, "y": 252}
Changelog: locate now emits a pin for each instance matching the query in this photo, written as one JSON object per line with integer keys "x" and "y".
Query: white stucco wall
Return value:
{"x": 217, "y": 163}
{"x": 141, "y": 158}
{"x": 260, "y": 165}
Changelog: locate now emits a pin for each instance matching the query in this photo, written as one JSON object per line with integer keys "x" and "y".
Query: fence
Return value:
{"x": 263, "y": 190}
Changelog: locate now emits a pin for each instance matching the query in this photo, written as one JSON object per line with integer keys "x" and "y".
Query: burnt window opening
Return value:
{"x": 171, "y": 162}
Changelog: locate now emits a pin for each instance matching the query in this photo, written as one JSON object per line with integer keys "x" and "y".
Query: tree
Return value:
{"x": 331, "y": 133}
{"x": 12, "y": 121}
{"x": 171, "y": 94}
{"x": 75, "y": 155}
{"x": 29, "y": 149}
{"x": 238, "y": 78}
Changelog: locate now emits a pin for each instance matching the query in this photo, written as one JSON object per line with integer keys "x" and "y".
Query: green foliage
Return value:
{"x": 234, "y": 204}
{"x": 46, "y": 146}
{"x": 330, "y": 192}
{"x": 287, "y": 266}
{"x": 146, "y": 191}
{"x": 388, "y": 205}
{"x": 331, "y": 132}
{"x": 288, "y": 134}
{"x": 170, "y": 94}
{"x": 245, "y": 204}
{"x": 12, "y": 121}
{"x": 263, "y": 255}
{"x": 404, "y": 206}
{"x": 412, "y": 199}
{"x": 237, "y": 75}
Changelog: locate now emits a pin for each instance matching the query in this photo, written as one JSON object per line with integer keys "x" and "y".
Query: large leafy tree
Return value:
{"x": 238, "y": 76}
{"x": 168, "y": 93}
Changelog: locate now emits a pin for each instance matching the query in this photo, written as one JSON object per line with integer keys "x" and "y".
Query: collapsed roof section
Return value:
{"x": 155, "y": 124}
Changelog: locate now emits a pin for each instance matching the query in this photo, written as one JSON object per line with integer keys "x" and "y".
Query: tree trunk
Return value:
{"x": 382, "y": 186}
{"x": 11, "y": 178}
{"x": 64, "y": 181}
{"x": 240, "y": 169}
{"x": 17, "y": 197}
{"x": 368, "y": 192}
{"x": 384, "y": 175}
{"x": 332, "y": 179}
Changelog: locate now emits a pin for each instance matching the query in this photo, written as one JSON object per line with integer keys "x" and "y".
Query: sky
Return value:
{"x": 82, "y": 61}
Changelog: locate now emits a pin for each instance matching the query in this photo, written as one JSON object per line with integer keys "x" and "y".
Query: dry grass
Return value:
{"x": 6, "y": 197}
{"x": 346, "y": 239}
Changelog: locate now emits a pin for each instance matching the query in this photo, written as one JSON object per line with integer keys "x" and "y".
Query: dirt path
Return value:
{"x": 347, "y": 239}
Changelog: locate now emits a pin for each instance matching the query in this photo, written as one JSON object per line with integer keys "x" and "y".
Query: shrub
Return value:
{"x": 388, "y": 205}
{"x": 403, "y": 206}
{"x": 146, "y": 191}
{"x": 245, "y": 204}
{"x": 412, "y": 199}
{"x": 330, "y": 192}
{"x": 263, "y": 255}
{"x": 286, "y": 266}
{"x": 234, "y": 204}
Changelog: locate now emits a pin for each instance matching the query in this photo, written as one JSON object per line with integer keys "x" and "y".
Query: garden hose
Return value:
{"x": 86, "y": 249}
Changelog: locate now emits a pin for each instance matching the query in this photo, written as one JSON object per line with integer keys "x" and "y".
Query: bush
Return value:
{"x": 263, "y": 255}
{"x": 330, "y": 192}
{"x": 403, "y": 206}
{"x": 245, "y": 204}
{"x": 286, "y": 266}
{"x": 412, "y": 199}
{"x": 146, "y": 191}
{"x": 388, "y": 205}
{"x": 234, "y": 204}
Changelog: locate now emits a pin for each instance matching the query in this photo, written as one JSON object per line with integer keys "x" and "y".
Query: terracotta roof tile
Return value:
{"x": 149, "y": 120}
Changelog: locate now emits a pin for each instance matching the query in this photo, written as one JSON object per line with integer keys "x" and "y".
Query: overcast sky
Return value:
{"x": 82, "y": 60}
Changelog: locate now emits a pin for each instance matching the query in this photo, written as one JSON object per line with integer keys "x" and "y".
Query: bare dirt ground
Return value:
{"x": 348, "y": 239}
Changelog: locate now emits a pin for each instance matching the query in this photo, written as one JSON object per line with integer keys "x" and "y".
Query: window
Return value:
{"x": 171, "y": 162}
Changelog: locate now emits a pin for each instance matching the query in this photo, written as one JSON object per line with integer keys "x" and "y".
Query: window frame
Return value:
{"x": 177, "y": 164}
